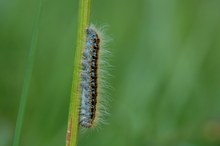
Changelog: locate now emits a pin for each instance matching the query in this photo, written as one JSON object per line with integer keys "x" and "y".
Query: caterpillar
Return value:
{"x": 90, "y": 79}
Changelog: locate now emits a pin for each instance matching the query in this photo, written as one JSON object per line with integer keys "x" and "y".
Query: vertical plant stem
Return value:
{"x": 73, "y": 120}
{"x": 27, "y": 78}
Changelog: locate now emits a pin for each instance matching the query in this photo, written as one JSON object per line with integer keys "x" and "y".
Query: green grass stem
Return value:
{"x": 73, "y": 120}
{"x": 27, "y": 78}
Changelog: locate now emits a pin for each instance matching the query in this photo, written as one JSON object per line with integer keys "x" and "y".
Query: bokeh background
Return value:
{"x": 165, "y": 76}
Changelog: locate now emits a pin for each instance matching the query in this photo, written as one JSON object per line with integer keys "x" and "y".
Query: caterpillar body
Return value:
{"x": 90, "y": 79}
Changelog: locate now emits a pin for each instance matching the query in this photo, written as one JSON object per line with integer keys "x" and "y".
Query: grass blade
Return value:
{"x": 27, "y": 78}
{"x": 73, "y": 120}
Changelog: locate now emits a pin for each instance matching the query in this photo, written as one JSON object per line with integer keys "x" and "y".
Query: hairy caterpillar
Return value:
{"x": 91, "y": 79}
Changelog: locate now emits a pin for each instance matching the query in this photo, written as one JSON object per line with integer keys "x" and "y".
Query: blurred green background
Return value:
{"x": 166, "y": 74}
